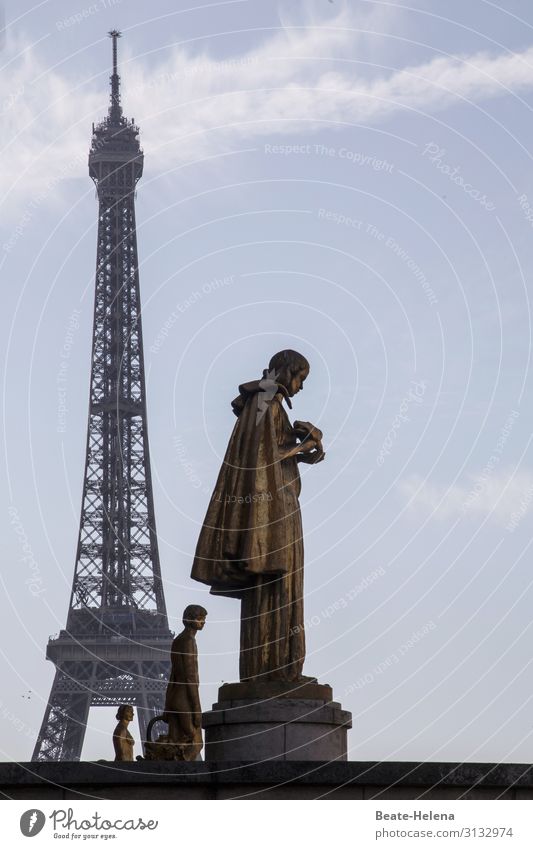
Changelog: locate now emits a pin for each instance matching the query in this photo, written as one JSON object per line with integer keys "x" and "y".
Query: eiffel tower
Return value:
{"x": 115, "y": 647}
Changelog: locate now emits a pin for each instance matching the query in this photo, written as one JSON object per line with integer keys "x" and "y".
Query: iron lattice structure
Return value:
{"x": 116, "y": 644}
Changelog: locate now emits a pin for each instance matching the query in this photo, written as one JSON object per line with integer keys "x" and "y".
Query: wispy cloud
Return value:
{"x": 189, "y": 105}
{"x": 500, "y": 496}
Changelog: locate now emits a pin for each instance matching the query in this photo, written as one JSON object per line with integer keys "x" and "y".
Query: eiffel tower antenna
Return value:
{"x": 116, "y": 643}
{"x": 115, "y": 110}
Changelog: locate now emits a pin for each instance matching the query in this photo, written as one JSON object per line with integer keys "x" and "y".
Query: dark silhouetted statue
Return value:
{"x": 183, "y": 713}
{"x": 250, "y": 546}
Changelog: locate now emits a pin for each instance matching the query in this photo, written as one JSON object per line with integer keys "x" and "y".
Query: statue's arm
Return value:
{"x": 286, "y": 447}
{"x": 315, "y": 456}
{"x": 296, "y": 451}
{"x": 190, "y": 676}
{"x": 308, "y": 451}
{"x": 120, "y": 741}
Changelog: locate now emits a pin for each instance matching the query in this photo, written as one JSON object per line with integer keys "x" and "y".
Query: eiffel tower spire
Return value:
{"x": 115, "y": 109}
{"x": 115, "y": 647}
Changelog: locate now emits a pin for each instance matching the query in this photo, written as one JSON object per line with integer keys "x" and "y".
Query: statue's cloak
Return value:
{"x": 243, "y": 531}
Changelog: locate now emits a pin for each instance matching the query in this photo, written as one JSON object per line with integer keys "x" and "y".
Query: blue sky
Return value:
{"x": 350, "y": 179}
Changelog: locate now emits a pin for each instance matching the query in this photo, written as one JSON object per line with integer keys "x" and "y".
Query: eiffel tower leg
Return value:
{"x": 64, "y": 723}
{"x": 78, "y": 712}
{"x": 143, "y": 718}
{"x": 151, "y": 700}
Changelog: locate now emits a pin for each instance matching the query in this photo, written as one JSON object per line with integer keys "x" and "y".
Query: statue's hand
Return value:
{"x": 312, "y": 457}
{"x": 307, "y": 446}
{"x": 307, "y": 431}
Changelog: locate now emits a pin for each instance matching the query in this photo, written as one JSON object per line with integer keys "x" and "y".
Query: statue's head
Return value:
{"x": 291, "y": 369}
{"x": 194, "y": 616}
{"x": 125, "y": 712}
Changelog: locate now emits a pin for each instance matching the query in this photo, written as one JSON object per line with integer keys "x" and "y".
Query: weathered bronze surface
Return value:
{"x": 251, "y": 546}
{"x": 183, "y": 713}
{"x": 123, "y": 742}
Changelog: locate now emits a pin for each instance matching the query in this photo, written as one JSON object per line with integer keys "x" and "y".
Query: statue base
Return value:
{"x": 164, "y": 750}
{"x": 275, "y": 720}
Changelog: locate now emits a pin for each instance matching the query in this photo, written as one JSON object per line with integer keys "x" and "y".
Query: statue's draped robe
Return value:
{"x": 182, "y": 701}
{"x": 250, "y": 546}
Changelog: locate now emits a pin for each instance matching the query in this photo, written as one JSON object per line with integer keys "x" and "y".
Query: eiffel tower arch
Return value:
{"x": 115, "y": 647}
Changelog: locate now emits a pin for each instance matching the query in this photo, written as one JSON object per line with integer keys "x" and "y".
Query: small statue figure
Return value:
{"x": 123, "y": 742}
{"x": 183, "y": 713}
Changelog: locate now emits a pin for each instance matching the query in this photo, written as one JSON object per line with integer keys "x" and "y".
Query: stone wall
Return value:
{"x": 267, "y": 780}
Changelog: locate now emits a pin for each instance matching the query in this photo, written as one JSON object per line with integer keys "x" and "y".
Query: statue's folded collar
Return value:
{"x": 266, "y": 384}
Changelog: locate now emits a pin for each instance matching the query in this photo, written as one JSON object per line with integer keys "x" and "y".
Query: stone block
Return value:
{"x": 282, "y": 728}
{"x": 253, "y": 690}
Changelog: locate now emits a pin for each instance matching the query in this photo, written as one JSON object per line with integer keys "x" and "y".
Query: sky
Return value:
{"x": 350, "y": 179}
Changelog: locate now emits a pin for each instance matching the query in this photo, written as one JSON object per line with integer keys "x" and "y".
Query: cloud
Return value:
{"x": 503, "y": 496}
{"x": 191, "y": 105}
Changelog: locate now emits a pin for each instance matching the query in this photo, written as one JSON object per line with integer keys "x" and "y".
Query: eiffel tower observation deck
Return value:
{"x": 115, "y": 647}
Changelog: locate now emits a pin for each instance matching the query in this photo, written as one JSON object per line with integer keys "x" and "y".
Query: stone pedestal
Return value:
{"x": 275, "y": 720}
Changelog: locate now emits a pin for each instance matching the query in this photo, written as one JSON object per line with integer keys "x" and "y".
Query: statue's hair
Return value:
{"x": 288, "y": 360}
{"x": 121, "y": 709}
{"x": 193, "y": 612}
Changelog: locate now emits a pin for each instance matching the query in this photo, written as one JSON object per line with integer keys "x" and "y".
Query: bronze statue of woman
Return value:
{"x": 123, "y": 742}
{"x": 251, "y": 546}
